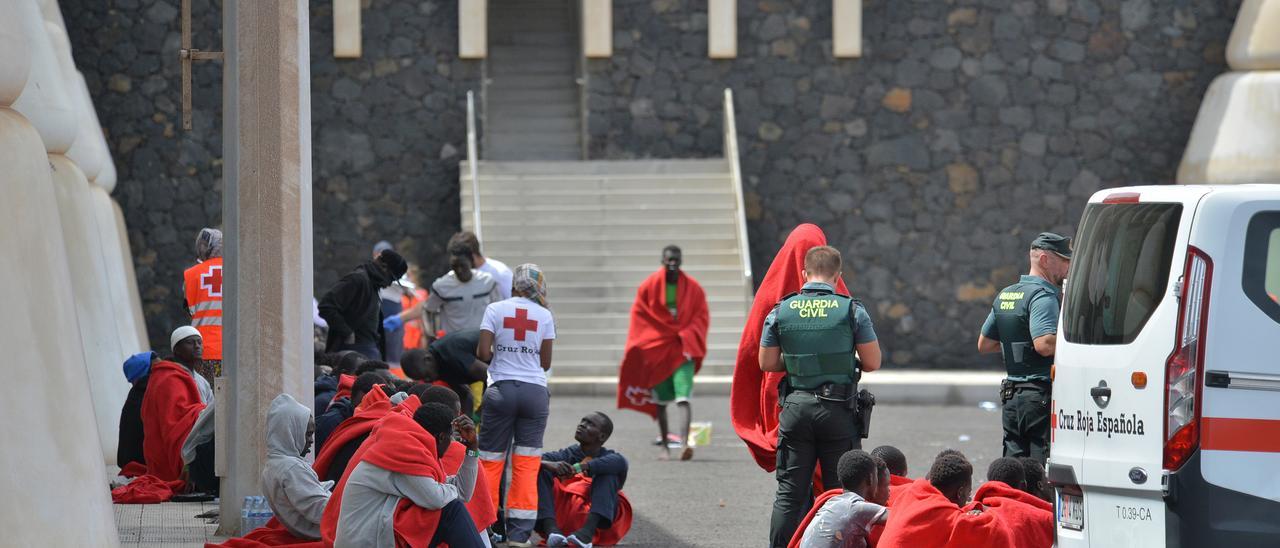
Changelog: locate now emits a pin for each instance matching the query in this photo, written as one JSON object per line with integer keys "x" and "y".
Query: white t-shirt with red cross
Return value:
{"x": 519, "y": 326}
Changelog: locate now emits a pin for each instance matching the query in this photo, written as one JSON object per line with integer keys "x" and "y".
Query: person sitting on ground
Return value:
{"x": 1008, "y": 470}
{"x": 291, "y": 487}
{"x": 344, "y": 373}
{"x": 897, "y": 463}
{"x": 372, "y": 403}
{"x": 398, "y": 492}
{"x": 137, "y": 369}
{"x": 175, "y": 399}
{"x": 483, "y": 511}
{"x": 353, "y": 309}
{"x": 451, "y": 360}
{"x": 1036, "y": 483}
{"x": 930, "y": 511}
{"x": 607, "y": 471}
{"x": 845, "y": 518}
{"x": 343, "y": 408}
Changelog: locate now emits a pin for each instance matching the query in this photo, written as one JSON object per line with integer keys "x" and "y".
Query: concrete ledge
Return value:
{"x": 918, "y": 387}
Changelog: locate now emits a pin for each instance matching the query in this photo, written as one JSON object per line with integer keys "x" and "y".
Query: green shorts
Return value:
{"x": 678, "y": 387}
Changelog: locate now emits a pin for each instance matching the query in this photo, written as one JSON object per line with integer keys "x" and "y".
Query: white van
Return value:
{"x": 1166, "y": 390}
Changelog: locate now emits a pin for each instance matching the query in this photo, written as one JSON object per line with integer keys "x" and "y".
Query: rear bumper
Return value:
{"x": 1202, "y": 514}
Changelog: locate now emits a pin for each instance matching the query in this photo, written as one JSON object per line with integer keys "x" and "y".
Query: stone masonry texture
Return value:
{"x": 967, "y": 127}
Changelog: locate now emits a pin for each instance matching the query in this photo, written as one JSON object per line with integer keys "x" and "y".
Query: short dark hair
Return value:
{"x": 606, "y": 426}
{"x": 854, "y": 468}
{"x": 1033, "y": 474}
{"x": 365, "y": 382}
{"x": 673, "y": 248}
{"x": 893, "y": 457}
{"x": 949, "y": 471}
{"x": 347, "y": 361}
{"x": 465, "y": 240}
{"x": 418, "y": 389}
{"x": 1008, "y": 470}
{"x": 435, "y": 418}
{"x": 372, "y": 365}
{"x": 822, "y": 260}
{"x": 413, "y": 364}
{"x": 951, "y": 451}
{"x": 401, "y": 385}
{"x": 441, "y": 395}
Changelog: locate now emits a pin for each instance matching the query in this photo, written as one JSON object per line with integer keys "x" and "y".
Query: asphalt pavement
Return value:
{"x": 721, "y": 497}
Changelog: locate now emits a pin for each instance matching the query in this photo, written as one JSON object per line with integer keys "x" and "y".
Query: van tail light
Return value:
{"x": 1184, "y": 370}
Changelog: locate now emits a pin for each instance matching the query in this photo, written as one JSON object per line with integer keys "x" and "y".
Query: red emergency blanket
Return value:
{"x": 373, "y": 407}
{"x": 1028, "y": 518}
{"x": 922, "y": 516}
{"x": 657, "y": 343}
{"x": 400, "y": 445}
{"x": 897, "y": 484}
{"x": 753, "y": 396}
{"x": 169, "y": 410}
{"x": 573, "y": 503}
{"x": 271, "y": 534}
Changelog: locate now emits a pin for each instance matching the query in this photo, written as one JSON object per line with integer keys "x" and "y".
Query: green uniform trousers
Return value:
{"x": 1026, "y": 424}
{"x": 810, "y": 431}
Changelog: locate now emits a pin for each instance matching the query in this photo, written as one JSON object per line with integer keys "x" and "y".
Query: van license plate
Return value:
{"x": 1071, "y": 511}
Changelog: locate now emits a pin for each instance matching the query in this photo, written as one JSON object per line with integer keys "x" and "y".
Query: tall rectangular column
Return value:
{"x": 266, "y": 204}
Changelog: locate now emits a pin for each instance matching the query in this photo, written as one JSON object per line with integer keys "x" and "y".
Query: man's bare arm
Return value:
{"x": 771, "y": 359}
{"x": 987, "y": 346}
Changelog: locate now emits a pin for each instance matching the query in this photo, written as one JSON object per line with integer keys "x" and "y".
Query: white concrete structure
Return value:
{"x": 1236, "y": 137}
{"x": 53, "y": 438}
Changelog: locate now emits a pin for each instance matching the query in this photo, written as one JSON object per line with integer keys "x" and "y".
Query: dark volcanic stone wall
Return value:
{"x": 966, "y": 128}
{"x": 388, "y": 130}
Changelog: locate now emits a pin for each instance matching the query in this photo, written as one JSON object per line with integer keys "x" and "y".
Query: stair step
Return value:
{"x": 522, "y": 169}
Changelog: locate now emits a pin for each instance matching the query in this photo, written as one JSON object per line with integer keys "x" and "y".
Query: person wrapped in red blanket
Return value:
{"x": 171, "y": 405}
{"x": 580, "y": 489}
{"x": 753, "y": 396}
{"x": 397, "y": 492}
{"x": 1026, "y": 516}
{"x": 333, "y": 457}
{"x": 666, "y": 342}
{"x": 932, "y": 512}
{"x": 897, "y": 464}
{"x": 483, "y": 512}
{"x": 846, "y": 517}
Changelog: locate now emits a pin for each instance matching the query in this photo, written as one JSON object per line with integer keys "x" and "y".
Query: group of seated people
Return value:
{"x": 878, "y": 505}
{"x": 396, "y": 460}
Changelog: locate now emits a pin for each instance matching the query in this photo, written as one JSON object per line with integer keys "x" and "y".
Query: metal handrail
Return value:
{"x": 731, "y": 156}
{"x": 473, "y": 159}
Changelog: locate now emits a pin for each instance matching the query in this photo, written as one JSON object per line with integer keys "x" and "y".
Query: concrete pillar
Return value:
{"x": 473, "y": 29}
{"x": 722, "y": 29}
{"x": 53, "y": 440}
{"x": 846, "y": 30}
{"x": 346, "y": 29}
{"x": 597, "y": 28}
{"x": 266, "y": 203}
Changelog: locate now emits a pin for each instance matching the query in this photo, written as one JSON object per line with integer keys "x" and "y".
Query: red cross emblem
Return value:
{"x": 211, "y": 281}
{"x": 520, "y": 323}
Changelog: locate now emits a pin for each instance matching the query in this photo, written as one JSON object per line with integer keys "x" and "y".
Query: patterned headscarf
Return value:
{"x": 528, "y": 280}
{"x": 208, "y": 244}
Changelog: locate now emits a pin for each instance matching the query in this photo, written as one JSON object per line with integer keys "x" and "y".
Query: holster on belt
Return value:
{"x": 1006, "y": 391}
{"x": 864, "y": 402}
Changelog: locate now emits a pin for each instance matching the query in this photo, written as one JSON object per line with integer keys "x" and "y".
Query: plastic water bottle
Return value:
{"x": 245, "y": 508}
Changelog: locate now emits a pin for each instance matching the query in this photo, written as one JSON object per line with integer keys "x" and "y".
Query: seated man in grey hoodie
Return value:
{"x": 397, "y": 491}
{"x": 292, "y": 489}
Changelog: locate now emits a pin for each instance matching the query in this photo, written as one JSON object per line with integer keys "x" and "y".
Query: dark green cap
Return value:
{"x": 1049, "y": 241}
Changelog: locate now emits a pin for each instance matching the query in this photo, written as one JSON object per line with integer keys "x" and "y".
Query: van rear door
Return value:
{"x": 1239, "y": 230}
{"x": 1118, "y": 328}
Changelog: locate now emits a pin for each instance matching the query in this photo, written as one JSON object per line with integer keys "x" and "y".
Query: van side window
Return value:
{"x": 1120, "y": 270}
{"x": 1261, "y": 278}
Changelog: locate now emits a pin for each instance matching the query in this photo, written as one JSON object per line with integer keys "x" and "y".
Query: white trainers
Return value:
{"x": 557, "y": 539}
{"x": 574, "y": 542}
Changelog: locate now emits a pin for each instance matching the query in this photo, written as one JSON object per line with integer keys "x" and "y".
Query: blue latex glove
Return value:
{"x": 392, "y": 323}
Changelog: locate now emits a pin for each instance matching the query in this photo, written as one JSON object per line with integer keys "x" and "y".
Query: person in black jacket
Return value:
{"x": 137, "y": 370}
{"x": 353, "y": 309}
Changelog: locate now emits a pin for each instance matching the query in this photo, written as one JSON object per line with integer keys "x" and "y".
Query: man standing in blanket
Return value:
{"x": 666, "y": 343}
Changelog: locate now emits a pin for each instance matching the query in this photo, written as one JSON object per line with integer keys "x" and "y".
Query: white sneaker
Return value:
{"x": 557, "y": 539}
{"x": 573, "y": 541}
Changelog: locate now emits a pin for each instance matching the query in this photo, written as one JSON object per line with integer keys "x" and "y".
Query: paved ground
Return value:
{"x": 721, "y": 498}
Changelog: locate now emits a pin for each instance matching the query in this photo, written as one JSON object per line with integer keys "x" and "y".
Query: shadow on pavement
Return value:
{"x": 647, "y": 533}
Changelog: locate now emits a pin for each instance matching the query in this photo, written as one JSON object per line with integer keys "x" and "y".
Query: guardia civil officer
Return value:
{"x": 812, "y": 335}
{"x": 1023, "y": 327}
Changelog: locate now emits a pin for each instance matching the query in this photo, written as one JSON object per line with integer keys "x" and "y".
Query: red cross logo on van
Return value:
{"x": 520, "y": 323}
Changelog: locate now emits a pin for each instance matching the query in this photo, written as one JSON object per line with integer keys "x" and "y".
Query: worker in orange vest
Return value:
{"x": 203, "y": 296}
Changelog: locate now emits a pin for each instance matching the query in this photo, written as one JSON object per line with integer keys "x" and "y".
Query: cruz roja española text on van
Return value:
{"x": 1081, "y": 421}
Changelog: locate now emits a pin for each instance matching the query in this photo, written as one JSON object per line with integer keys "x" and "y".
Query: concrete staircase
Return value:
{"x": 532, "y": 105}
{"x": 597, "y": 228}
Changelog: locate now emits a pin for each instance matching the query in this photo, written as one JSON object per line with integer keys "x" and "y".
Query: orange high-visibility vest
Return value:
{"x": 203, "y": 287}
